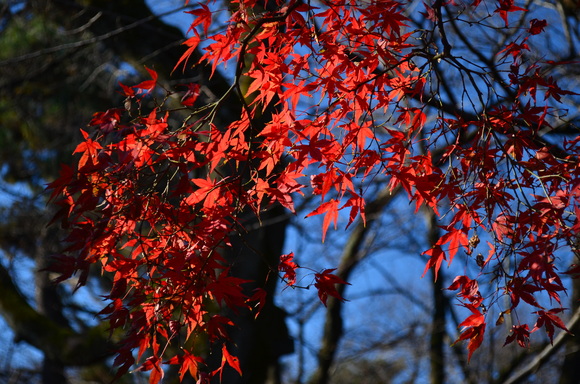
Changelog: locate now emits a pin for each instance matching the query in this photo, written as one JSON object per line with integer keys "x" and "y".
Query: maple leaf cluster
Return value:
{"x": 154, "y": 202}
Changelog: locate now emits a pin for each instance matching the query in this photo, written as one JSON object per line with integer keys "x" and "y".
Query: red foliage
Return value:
{"x": 289, "y": 268}
{"x": 326, "y": 285}
{"x": 155, "y": 204}
{"x": 520, "y": 333}
{"x": 474, "y": 330}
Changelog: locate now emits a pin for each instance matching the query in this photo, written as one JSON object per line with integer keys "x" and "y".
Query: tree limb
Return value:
{"x": 61, "y": 343}
{"x": 546, "y": 353}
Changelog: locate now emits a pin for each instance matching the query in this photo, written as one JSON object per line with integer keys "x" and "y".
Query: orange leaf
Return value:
{"x": 233, "y": 361}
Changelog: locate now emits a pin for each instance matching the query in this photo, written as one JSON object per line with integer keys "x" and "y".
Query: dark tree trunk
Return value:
{"x": 436, "y": 342}
{"x": 48, "y": 302}
{"x": 571, "y": 363}
{"x": 258, "y": 342}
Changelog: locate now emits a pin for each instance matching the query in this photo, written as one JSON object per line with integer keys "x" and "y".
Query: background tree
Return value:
{"x": 61, "y": 62}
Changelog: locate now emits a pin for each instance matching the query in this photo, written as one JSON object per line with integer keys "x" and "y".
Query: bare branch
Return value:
{"x": 546, "y": 353}
{"x": 59, "y": 342}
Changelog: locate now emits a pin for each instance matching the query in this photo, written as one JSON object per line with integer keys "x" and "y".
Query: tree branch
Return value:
{"x": 546, "y": 353}
{"x": 59, "y": 342}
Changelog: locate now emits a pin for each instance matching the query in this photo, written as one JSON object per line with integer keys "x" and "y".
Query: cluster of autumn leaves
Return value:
{"x": 155, "y": 204}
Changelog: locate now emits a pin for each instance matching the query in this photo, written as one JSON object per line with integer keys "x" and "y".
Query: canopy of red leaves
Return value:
{"x": 155, "y": 204}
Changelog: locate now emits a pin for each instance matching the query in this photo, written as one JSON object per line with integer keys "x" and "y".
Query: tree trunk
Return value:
{"x": 349, "y": 260}
{"x": 258, "y": 342}
{"x": 436, "y": 342}
{"x": 571, "y": 363}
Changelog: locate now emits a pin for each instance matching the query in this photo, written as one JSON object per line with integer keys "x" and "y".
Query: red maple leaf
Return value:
{"x": 548, "y": 319}
{"x": 505, "y": 7}
{"x": 231, "y": 360}
{"x": 474, "y": 329}
{"x": 537, "y": 26}
{"x": 148, "y": 85}
{"x": 326, "y": 285}
{"x": 330, "y": 208}
{"x": 187, "y": 363}
{"x": 288, "y": 267}
{"x": 520, "y": 333}
{"x": 152, "y": 364}
{"x": 89, "y": 150}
